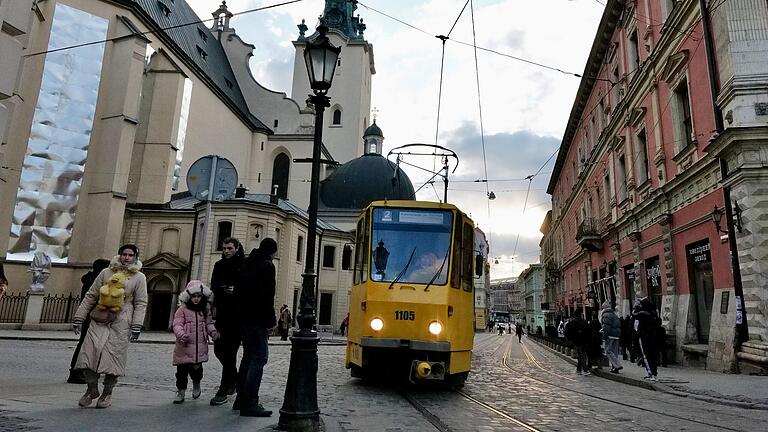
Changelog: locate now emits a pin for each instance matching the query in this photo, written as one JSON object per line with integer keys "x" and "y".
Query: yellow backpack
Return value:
{"x": 112, "y": 295}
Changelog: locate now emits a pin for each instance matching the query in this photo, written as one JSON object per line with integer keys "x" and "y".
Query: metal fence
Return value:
{"x": 59, "y": 309}
{"x": 13, "y": 308}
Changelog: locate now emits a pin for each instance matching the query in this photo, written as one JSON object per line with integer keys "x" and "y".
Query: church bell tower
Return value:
{"x": 349, "y": 115}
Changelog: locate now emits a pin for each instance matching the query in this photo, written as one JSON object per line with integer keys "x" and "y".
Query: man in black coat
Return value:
{"x": 225, "y": 348}
{"x": 577, "y": 331}
{"x": 255, "y": 296}
{"x": 646, "y": 326}
{"x": 76, "y": 375}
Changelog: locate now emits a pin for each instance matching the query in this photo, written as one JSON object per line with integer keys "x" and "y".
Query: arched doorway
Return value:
{"x": 160, "y": 304}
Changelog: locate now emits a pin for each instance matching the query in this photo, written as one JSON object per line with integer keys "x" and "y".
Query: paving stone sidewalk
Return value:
{"x": 744, "y": 391}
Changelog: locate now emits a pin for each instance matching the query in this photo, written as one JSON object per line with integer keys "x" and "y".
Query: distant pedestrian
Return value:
{"x": 285, "y": 322}
{"x": 76, "y": 375}
{"x": 490, "y": 326}
{"x": 577, "y": 332}
{"x": 646, "y": 327}
{"x": 3, "y": 281}
{"x": 344, "y": 324}
{"x": 116, "y": 303}
{"x": 611, "y": 334}
{"x": 255, "y": 294}
{"x": 594, "y": 345}
{"x": 225, "y": 312}
{"x": 519, "y": 333}
{"x": 501, "y": 329}
{"x": 192, "y": 325}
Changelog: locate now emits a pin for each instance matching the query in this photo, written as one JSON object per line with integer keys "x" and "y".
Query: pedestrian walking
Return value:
{"x": 595, "y": 342}
{"x": 255, "y": 295}
{"x": 225, "y": 314}
{"x": 519, "y": 333}
{"x": 646, "y": 327}
{"x": 75, "y": 375}
{"x": 192, "y": 325}
{"x": 577, "y": 332}
{"x": 285, "y": 322}
{"x": 344, "y": 324}
{"x": 116, "y": 304}
{"x": 611, "y": 335}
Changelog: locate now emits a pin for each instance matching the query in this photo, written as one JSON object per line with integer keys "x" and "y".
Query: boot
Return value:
{"x": 252, "y": 408}
{"x": 179, "y": 396}
{"x": 195, "y": 389}
{"x": 105, "y": 401}
{"x": 91, "y": 393}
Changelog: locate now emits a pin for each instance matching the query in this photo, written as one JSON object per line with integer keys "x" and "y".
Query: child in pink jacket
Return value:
{"x": 192, "y": 324}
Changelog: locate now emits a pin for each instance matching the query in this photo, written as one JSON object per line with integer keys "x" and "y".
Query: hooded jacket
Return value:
{"x": 255, "y": 291}
{"x": 105, "y": 347}
{"x": 610, "y": 322}
{"x": 646, "y": 321}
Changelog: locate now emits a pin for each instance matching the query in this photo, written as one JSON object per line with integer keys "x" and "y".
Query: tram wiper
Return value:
{"x": 402, "y": 272}
{"x": 440, "y": 270}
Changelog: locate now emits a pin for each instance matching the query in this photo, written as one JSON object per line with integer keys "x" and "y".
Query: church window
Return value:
{"x": 299, "y": 248}
{"x": 224, "y": 231}
{"x": 337, "y": 116}
{"x": 276, "y": 123}
{"x": 329, "y": 256}
{"x": 202, "y": 34}
{"x": 228, "y": 82}
{"x": 163, "y": 8}
{"x": 202, "y": 53}
{"x": 280, "y": 170}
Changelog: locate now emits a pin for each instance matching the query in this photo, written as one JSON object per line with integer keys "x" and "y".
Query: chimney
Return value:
{"x": 240, "y": 191}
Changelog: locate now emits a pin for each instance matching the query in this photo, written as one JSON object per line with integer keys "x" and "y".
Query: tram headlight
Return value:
{"x": 435, "y": 328}
{"x": 377, "y": 324}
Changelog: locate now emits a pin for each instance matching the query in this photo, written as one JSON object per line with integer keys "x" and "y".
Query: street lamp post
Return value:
{"x": 300, "y": 411}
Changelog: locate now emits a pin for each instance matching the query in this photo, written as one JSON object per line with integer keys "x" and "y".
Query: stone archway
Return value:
{"x": 160, "y": 305}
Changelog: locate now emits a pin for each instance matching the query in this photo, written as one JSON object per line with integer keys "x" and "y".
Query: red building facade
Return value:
{"x": 637, "y": 176}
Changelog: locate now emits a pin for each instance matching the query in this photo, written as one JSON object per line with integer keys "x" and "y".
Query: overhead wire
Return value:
{"x": 161, "y": 29}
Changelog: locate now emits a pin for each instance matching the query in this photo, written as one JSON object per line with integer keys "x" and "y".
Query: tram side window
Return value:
{"x": 359, "y": 253}
{"x": 456, "y": 275}
{"x": 467, "y": 256}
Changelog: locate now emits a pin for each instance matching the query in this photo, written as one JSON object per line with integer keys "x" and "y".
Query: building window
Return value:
{"x": 202, "y": 34}
{"x": 633, "y": 52}
{"x": 164, "y": 8}
{"x": 329, "y": 256}
{"x": 608, "y": 192}
{"x": 615, "y": 89}
{"x": 299, "y": 248}
{"x": 280, "y": 170}
{"x": 202, "y": 53}
{"x": 642, "y": 157}
{"x": 228, "y": 83}
{"x": 682, "y": 112}
{"x": 337, "y": 117}
{"x": 224, "y": 231}
{"x": 346, "y": 258}
{"x": 622, "y": 178}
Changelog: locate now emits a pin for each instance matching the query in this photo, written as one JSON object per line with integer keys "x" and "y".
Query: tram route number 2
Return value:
{"x": 403, "y": 315}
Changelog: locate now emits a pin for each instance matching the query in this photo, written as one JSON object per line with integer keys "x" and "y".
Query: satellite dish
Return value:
{"x": 224, "y": 178}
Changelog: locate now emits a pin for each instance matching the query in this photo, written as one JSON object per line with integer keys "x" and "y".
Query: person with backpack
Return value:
{"x": 577, "y": 332}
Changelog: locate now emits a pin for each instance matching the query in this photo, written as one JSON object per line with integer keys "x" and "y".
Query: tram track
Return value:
{"x": 531, "y": 358}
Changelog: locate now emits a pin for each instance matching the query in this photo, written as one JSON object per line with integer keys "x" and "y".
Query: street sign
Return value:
{"x": 224, "y": 179}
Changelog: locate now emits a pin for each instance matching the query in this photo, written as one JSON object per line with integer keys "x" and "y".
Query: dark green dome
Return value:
{"x": 373, "y": 129}
{"x": 361, "y": 181}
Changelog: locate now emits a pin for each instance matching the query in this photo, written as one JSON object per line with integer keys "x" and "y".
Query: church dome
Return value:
{"x": 374, "y": 130}
{"x": 360, "y": 181}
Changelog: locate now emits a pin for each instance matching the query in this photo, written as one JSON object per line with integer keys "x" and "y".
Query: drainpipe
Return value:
{"x": 741, "y": 328}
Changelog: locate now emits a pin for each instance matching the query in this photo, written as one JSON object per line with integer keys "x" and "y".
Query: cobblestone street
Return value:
{"x": 513, "y": 387}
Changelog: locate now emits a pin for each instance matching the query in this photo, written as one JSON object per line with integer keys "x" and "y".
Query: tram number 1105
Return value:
{"x": 405, "y": 315}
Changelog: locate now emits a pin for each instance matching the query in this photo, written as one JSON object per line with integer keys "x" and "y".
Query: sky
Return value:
{"x": 524, "y": 107}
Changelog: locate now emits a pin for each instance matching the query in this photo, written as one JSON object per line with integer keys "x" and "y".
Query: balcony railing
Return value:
{"x": 589, "y": 234}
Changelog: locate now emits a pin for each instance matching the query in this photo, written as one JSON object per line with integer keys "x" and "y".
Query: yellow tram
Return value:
{"x": 411, "y": 307}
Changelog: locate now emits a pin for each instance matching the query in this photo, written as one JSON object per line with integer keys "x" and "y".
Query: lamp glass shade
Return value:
{"x": 716, "y": 215}
{"x": 321, "y": 58}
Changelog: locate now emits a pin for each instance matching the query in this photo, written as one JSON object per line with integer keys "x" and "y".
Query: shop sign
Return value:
{"x": 699, "y": 253}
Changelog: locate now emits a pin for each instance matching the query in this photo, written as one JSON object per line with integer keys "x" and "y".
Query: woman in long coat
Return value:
{"x": 115, "y": 321}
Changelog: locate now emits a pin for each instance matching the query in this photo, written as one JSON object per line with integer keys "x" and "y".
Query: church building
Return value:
{"x": 100, "y": 138}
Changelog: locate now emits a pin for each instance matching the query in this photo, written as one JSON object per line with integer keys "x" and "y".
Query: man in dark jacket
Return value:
{"x": 225, "y": 310}
{"x": 255, "y": 295}
{"x": 76, "y": 375}
{"x": 611, "y": 334}
{"x": 577, "y": 332}
{"x": 646, "y": 324}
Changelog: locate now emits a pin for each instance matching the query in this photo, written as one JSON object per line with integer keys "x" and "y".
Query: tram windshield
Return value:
{"x": 411, "y": 245}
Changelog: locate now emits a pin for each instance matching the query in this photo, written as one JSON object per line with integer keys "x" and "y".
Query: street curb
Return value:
{"x": 660, "y": 387}
{"x": 148, "y": 342}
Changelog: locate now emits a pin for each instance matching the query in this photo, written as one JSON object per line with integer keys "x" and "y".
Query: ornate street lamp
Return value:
{"x": 300, "y": 411}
